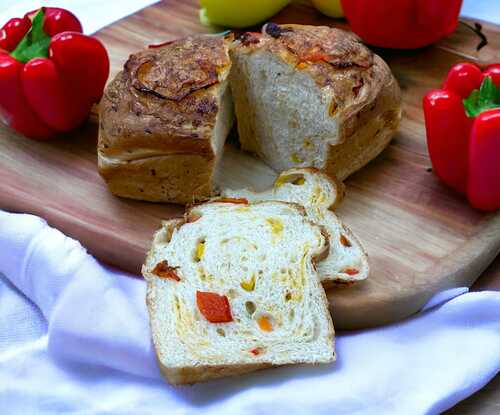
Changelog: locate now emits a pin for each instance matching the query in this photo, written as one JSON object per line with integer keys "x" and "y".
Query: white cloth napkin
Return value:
{"x": 84, "y": 346}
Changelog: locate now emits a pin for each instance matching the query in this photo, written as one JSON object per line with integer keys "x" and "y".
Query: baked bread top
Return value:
{"x": 165, "y": 100}
{"x": 350, "y": 73}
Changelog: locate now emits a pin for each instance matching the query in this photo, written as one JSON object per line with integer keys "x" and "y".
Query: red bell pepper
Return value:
{"x": 402, "y": 24}
{"x": 50, "y": 73}
{"x": 462, "y": 121}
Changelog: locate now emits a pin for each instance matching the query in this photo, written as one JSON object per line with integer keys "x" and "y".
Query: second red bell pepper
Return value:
{"x": 50, "y": 73}
{"x": 483, "y": 185}
{"x": 462, "y": 121}
{"x": 402, "y": 24}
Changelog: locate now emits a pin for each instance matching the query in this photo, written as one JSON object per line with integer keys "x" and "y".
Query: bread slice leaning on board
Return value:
{"x": 164, "y": 120}
{"x": 312, "y": 96}
{"x": 347, "y": 261}
{"x": 232, "y": 288}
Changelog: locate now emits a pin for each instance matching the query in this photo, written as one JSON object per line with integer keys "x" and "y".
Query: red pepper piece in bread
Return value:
{"x": 344, "y": 241}
{"x": 214, "y": 307}
{"x": 163, "y": 270}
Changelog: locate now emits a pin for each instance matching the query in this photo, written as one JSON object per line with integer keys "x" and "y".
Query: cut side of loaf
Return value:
{"x": 232, "y": 288}
{"x": 164, "y": 120}
{"x": 347, "y": 261}
{"x": 304, "y": 96}
{"x": 312, "y": 96}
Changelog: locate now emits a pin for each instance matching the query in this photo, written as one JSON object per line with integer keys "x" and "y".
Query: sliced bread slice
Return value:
{"x": 232, "y": 288}
{"x": 347, "y": 261}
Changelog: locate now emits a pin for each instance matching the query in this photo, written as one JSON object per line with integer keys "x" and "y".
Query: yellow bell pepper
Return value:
{"x": 332, "y": 8}
{"x": 230, "y": 13}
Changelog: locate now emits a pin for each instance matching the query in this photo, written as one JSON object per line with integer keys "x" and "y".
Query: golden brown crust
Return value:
{"x": 201, "y": 373}
{"x": 367, "y": 132}
{"x": 178, "y": 178}
{"x": 312, "y": 44}
{"x": 157, "y": 119}
{"x": 158, "y": 104}
{"x": 177, "y": 69}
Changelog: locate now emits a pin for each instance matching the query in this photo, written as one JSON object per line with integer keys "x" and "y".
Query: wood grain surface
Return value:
{"x": 420, "y": 236}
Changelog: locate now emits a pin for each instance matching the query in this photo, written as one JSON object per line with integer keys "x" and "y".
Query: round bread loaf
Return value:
{"x": 305, "y": 96}
{"x": 312, "y": 96}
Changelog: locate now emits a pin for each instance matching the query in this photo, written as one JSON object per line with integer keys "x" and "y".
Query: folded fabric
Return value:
{"x": 95, "y": 353}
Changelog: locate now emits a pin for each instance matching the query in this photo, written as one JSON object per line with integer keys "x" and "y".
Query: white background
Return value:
{"x": 480, "y": 9}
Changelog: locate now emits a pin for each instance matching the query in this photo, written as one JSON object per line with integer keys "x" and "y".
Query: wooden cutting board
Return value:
{"x": 420, "y": 236}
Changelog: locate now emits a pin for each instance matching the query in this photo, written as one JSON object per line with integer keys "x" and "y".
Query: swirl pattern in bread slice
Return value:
{"x": 257, "y": 258}
{"x": 347, "y": 261}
